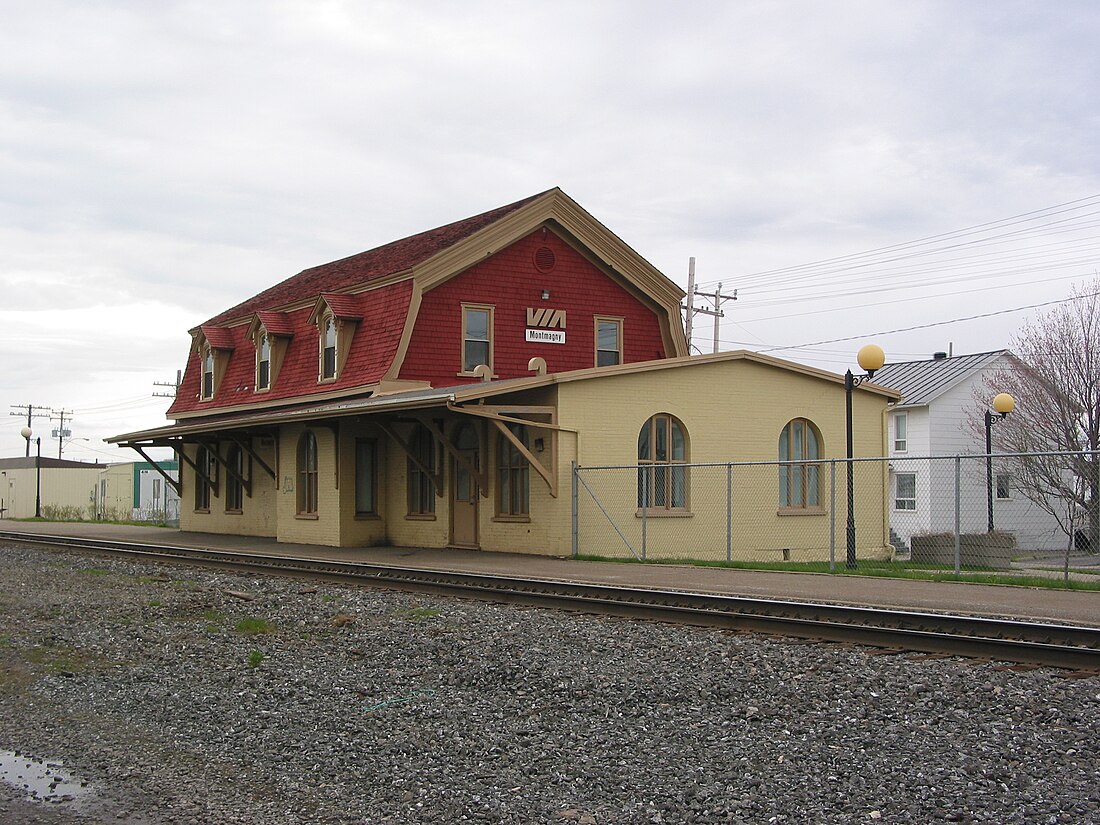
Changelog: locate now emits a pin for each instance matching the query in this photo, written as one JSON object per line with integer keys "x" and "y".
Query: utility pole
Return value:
{"x": 716, "y": 298}
{"x": 30, "y": 408}
{"x": 174, "y": 387}
{"x": 61, "y": 433}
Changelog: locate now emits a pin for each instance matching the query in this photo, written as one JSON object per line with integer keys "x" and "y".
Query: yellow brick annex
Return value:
{"x": 480, "y": 453}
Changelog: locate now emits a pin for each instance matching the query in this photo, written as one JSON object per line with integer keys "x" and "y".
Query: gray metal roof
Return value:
{"x": 920, "y": 382}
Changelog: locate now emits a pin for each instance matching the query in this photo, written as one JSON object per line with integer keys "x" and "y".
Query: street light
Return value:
{"x": 870, "y": 358}
{"x": 26, "y": 433}
{"x": 1003, "y": 404}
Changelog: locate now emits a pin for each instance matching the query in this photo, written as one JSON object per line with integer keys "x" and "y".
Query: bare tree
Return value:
{"x": 1055, "y": 379}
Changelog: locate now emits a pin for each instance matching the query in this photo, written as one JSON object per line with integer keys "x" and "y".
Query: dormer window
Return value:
{"x": 263, "y": 363}
{"x": 207, "y": 372}
{"x": 328, "y": 348}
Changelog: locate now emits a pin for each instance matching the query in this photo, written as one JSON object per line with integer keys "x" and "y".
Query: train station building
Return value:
{"x": 437, "y": 391}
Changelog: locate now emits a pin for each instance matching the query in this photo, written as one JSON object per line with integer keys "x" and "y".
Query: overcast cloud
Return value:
{"x": 160, "y": 162}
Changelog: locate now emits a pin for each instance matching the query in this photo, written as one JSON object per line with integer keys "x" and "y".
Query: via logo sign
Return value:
{"x": 546, "y": 318}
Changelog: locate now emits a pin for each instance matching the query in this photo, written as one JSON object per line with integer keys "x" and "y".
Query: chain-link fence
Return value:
{"x": 1005, "y": 512}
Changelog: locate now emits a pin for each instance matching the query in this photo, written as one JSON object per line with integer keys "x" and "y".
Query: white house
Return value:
{"x": 929, "y": 426}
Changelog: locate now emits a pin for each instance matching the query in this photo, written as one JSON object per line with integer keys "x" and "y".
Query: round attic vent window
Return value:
{"x": 545, "y": 259}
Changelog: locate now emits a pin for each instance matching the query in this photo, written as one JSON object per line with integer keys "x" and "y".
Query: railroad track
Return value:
{"x": 1053, "y": 645}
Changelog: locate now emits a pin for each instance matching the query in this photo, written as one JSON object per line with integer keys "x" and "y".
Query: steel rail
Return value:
{"x": 1039, "y": 643}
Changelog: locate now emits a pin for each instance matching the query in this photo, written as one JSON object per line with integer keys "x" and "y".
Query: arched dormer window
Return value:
{"x": 207, "y": 372}
{"x": 263, "y": 363}
{"x": 799, "y": 484}
{"x": 328, "y": 348}
{"x": 662, "y": 460}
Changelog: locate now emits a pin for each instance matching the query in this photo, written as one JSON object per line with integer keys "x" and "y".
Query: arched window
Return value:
{"x": 307, "y": 474}
{"x": 662, "y": 456}
{"x": 328, "y": 348}
{"x": 421, "y": 472}
{"x": 234, "y": 489}
{"x": 513, "y": 475}
{"x": 799, "y": 484}
{"x": 207, "y": 372}
{"x": 263, "y": 363}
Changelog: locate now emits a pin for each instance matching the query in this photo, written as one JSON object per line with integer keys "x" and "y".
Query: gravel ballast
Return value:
{"x": 188, "y": 696}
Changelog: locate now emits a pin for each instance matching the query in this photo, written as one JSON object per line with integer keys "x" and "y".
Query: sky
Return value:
{"x": 852, "y": 169}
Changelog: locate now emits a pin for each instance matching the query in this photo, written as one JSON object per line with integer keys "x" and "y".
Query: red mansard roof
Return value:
{"x": 396, "y": 256}
{"x": 276, "y": 323}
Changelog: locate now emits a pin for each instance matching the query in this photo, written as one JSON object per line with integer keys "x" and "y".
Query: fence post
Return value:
{"x": 645, "y": 506}
{"x": 575, "y": 510}
{"x": 958, "y": 513}
{"x": 729, "y": 512}
{"x": 832, "y": 516}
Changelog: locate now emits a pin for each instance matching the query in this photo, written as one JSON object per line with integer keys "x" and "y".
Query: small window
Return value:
{"x": 609, "y": 342}
{"x": 662, "y": 456}
{"x": 234, "y": 490}
{"x": 799, "y": 484}
{"x": 202, "y": 485}
{"x": 421, "y": 492}
{"x": 513, "y": 475}
{"x": 307, "y": 474}
{"x": 1004, "y": 485}
{"x": 477, "y": 337}
{"x": 263, "y": 363}
{"x": 901, "y": 427}
{"x": 366, "y": 477}
{"x": 207, "y": 372}
{"x": 328, "y": 348}
{"x": 905, "y": 491}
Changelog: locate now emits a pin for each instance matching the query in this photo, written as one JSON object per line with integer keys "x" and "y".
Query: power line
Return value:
{"x": 31, "y": 415}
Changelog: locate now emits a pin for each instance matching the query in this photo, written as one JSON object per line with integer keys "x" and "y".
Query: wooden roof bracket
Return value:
{"x": 549, "y": 476}
{"x": 199, "y": 471}
{"x": 436, "y": 478}
{"x": 246, "y": 445}
{"x": 246, "y": 483}
{"x": 174, "y": 483}
{"x": 480, "y": 476}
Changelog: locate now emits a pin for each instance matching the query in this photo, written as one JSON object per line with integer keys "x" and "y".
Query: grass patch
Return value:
{"x": 420, "y": 614}
{"x": 885, "y": 569}
{"x": 253, "y": 626}
{"x": 255, "y": 658}
{"x": 56, "y": 658}
{"x": 155, "y": 603}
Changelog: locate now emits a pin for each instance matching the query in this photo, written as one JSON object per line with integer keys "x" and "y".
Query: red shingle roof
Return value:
{"x": 347, "y": 307}
{"x": 276, "y": 323}
{"x": 360, "y": 269}
{"x": 218, "y": 337}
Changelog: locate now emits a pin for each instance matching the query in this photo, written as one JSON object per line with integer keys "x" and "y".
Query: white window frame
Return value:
{"x": 1007, "y": 486}
{"x": 900, "y": 502}
{"x": 901, "y": 432}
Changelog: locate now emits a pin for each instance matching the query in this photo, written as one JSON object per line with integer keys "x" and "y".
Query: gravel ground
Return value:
{"x": 185, "y": 696}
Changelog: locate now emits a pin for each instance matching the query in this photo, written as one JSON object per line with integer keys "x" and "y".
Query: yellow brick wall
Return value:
{"x": 257, "y": 516}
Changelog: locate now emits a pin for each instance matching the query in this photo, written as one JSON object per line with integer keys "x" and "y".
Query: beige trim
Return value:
{"x": 606, "y": 319}
{"x": 406, "y": 333}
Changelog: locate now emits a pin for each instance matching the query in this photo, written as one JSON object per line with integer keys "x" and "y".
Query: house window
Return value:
{"x": 477, "y": 337}
{"x": 307, "y": 474}
{"x": 513, "y": 475}
{"x": 366, "y": 476}
{"x": 234, "y": 490}
{"x": 207, "y": 372}
{"x": 662, "y": 456}
{"x": 905, "y": 491}
{"x": 1004, "y": 485}
{"x": 421, "y": 487}
{"x": 901, "y": 427}
{"x": 328, "y": 348}
{"x": 263, "y": 363}
{"x": 609, "y": 341}
{"x": 799, "y": 484}
{"x": 202, "y": 484}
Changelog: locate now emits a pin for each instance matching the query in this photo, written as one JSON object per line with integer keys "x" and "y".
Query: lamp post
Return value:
{"x": 870, "y": 358}
{"x": 26, "y": 433}
{"x": 1003, "y": 404}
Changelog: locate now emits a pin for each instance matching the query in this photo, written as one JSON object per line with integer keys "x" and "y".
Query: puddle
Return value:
{"x": 42, "y": 781}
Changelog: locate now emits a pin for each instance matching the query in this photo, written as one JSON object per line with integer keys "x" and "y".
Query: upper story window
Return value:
{"x": 328, "y": 348}
{"x": 901, "y": 427}
{"x": 207, "y": 372}
{"x": 263, "y": 363}
{"x": 662, "y": 456}
{"x": 477, "y": 337}
{"x": 799, "y": 484}
{"x": 609, "y": 341}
